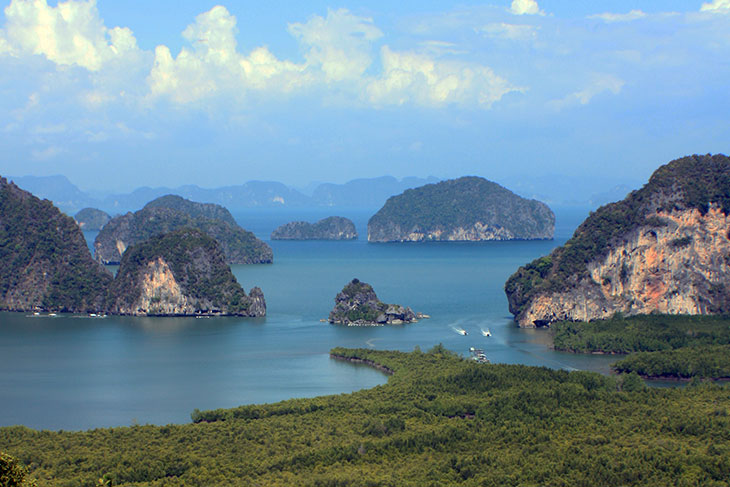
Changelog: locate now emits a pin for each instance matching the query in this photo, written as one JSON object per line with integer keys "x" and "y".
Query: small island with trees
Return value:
{"x": 330, "y": 228}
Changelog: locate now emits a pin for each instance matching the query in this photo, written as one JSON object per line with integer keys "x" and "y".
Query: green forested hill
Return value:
{"x": 44, "y": 261}
{"x": 440, "y": 420}
{"x": 448, "y": 209}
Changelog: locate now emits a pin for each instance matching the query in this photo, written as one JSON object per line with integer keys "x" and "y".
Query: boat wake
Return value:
{"x": 459, "y": 330}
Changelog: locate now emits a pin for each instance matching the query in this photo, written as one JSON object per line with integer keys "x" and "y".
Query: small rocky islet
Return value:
{"x": 330, "y": 228}
{"x": 358, "y": 305}
{"x": 91, "y": 219}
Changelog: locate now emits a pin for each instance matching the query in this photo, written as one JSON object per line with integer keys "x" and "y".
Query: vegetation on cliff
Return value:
{"x": 694, "y": 182}
{"x": 330, "y": 228}
{"x": 660, "y": 345}
{"x": 169, "y": 213}
{"x": 198, "y": 267}
{"x": 440, "y": 420}
{"x": 446, "y": 210}
{"x": 44, "y": 261}
{"x": 91, "y": 219}
{"x": 357, "y": 304}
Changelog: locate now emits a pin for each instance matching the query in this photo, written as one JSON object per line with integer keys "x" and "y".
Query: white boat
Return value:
{"x": 462, "y": 332}
{"x": 486, "y": 333}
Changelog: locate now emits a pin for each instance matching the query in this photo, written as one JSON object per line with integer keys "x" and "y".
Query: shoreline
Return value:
{"x": 370, "y": 363}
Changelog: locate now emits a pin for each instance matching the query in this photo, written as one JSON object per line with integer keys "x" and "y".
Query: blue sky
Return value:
{"x": 544, "y": 97}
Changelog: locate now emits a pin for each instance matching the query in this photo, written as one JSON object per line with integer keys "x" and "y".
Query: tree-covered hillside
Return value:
{"x": 461, "y": 203}
{"x": 44, "y": 261}
{"x": 440, "y": 420}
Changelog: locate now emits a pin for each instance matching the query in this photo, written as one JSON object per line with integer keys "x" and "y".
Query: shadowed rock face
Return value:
{"x": 331, "y": 228}
{"x": 170, "y": 213}
{"x": 672, "y": 257}
{"x": 180, "y": 273}
{"x": 45, "y": 264}
{"x": 464, "y": 209}
{"x": 357, "y": 304}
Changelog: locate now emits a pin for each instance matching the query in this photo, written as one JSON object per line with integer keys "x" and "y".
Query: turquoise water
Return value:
{"x": 78, "y": 372}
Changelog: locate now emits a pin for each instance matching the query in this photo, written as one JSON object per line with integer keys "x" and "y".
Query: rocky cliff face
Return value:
{"x": 45, "y": 264}
{"x": 358, "y": 305}
{"x": 674, "y": 258}
{"x": 239, "y": 245}
{"x": 331, "y": 228}
{"x": 180, "y": 273}
{"x": 465, "y": 209}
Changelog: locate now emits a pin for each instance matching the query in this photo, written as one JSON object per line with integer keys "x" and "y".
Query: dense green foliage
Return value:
{"x": 91, "y": 219}
{"x": 662, "y": 346}
{"x": 711, "y": 361}
{"x": 440, "y": 420}
{"x": 195, "y": 260}
{"x": 460, "y": 203}
{"x": 44, "y": 260}
{"x": 12, "y": 473}
{"x": 690, "y": 182}
{"x": 642, "y": 333}
{"x": 239, "y": 246}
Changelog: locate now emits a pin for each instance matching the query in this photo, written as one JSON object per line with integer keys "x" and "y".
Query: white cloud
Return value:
{"x": 525, "y": 7}
{"x": 72, "y": 33}
{"x": 213, "y": 65}
{"x": 513, "y": 32}
{"x": 627, "y": 17}
{"x": 339, "y": 44}
{"x": 600, "y": 84}
{"x": 716, "y": 5}
{"x": 419, "y": 79}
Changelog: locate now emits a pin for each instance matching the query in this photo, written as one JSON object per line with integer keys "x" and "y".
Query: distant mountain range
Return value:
{"x": 358, "y": 193}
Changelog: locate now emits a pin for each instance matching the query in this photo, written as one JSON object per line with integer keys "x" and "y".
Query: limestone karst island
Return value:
{"x": 469, "y": 208}
{"x": 47, "y": 266}
{"x": 663, "y": 249}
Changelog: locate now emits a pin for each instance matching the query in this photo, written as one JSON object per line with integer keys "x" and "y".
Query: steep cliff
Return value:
{"x": 331, "y": 228}
{"x": 665, "y": 248}
{"x": 180, "y": 273}
{"x": 91, "y": 219}
{"x": 358, "y": 305}
{"x": 239, "y": 245}
{"x": 45, "y": 264}
{"x": 468, "y": 208}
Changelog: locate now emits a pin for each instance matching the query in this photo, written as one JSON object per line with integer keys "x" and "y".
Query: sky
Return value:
{"x": 539, "y": 96}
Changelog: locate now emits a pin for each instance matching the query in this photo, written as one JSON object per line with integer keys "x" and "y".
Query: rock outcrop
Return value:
{"x": 180, "y": 273}
{"x": 331, "y": 228}
{"x": 468, "y": 208}
{"x": 169, "y": 213}
{"x": 91, "y": 219}
{"x": 358, "y": 305}
{"x": 663, "y": 249}
{"x": 45, "y": 264}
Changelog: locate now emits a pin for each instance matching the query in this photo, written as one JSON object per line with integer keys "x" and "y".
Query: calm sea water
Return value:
{"x": 78, "y": 372}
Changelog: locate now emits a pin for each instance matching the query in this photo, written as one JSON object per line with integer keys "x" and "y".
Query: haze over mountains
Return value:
{"x": 368, "y": 193}
{"x": 358, "y": 193}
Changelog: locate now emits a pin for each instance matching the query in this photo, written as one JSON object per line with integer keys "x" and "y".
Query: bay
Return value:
{"x": 76, "y": 372}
